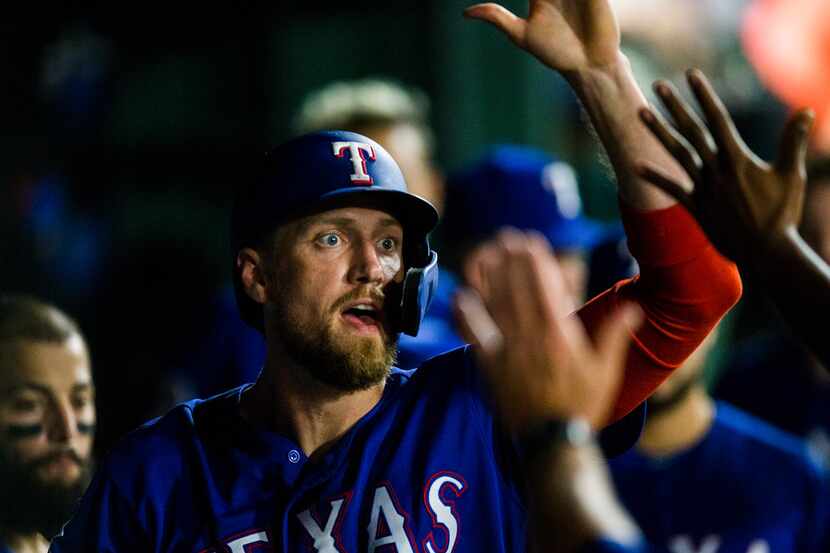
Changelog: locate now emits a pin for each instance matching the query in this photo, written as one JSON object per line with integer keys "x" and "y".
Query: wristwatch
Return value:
{"x": 539, "y": 436}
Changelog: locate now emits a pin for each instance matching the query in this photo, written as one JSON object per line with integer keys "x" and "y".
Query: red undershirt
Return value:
{"x": 684, "y": 287}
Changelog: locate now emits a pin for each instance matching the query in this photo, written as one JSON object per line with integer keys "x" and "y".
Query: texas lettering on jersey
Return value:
{"x": 389, "y": 526}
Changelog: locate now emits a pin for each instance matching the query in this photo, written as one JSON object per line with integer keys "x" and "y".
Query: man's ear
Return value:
{"x": 249, "y": 263}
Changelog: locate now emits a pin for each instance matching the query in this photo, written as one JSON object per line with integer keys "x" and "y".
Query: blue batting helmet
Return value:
{"x": 325, "y": 170}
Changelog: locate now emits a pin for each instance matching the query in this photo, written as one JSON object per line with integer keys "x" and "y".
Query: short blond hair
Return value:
{"x": 26, "y": 318}
{"x": 362, "y": 104}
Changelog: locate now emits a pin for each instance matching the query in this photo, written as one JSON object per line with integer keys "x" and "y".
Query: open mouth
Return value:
{"x": 363, "y": 316}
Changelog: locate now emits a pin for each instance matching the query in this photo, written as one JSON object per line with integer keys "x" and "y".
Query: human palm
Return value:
{"x": 740, "y": 200}
{"x": 565, "y": 35}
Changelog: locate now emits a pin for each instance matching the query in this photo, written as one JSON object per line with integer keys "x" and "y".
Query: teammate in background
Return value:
{"x": 394, "y": 116}
{"x": 333, "y": 450}
{"x": 509, "y": 186}
{"x": 734, "y": 483}
{"x": 752, "y": 211}
{"x": 47, "y": 419}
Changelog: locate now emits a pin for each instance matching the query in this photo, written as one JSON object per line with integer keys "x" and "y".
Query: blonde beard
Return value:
{"x": 332, "y": 356}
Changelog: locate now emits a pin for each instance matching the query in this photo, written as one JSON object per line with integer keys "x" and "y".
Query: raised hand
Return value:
{"x": 741, "y": 201}
{"x": 539, "y": 361}
{"x": 566, "y": 35}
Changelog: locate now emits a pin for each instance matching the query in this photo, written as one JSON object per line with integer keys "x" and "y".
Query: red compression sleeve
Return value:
{"x": 684, "y": 287}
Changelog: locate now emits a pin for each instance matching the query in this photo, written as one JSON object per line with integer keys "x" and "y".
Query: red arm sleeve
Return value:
{"x": 684, "y": 288}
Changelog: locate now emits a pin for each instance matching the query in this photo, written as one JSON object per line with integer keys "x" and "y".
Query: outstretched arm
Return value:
{"x": 750, "y": 209}
{"x": 542, "y": 372}
{"x": 684, "y": 287}
{"x": 580, "y": 39}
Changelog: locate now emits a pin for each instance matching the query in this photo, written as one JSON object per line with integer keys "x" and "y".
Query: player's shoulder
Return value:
{"x": 450, "y": 365}
{"x": 763, "y": 440}
{"x": 165, "y": 444}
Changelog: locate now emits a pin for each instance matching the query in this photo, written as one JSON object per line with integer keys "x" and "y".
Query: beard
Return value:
{"x": 343, "y": 361}
{"x": 38, "y": 505}
{"x": 659, "y": 404}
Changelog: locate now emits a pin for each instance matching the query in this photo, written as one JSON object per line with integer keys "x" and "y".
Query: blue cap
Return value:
{"x": 519, "y": 187}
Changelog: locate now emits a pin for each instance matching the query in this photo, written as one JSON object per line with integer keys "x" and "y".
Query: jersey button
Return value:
{"x": 294, "y": 456}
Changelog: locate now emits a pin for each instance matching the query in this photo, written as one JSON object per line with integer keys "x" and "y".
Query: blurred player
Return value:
{"x": 752, "y": 210}
{"x": 394, "y": 116}
{"x": 509, "y": 186}
{"x": 47, "y": 419}
{"x": 332, "y": 449}
{"x": 733, "y": 482}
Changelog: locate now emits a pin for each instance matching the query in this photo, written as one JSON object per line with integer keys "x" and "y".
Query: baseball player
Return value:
{"x": 333, "y": 450}
{"x": 799, "y": 404}
{"x": 735, "y": 483}
{"x": 47, "y": 419}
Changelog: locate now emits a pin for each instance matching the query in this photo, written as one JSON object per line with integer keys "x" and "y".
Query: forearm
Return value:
{"x": 571, "y": 502}
{"x": 684, "y": 288}
{"x": 612, "y": 99}
{"x": 797, "y": 280}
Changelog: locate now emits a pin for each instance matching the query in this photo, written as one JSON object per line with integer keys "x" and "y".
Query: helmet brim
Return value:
{"x": 413, "y": 212}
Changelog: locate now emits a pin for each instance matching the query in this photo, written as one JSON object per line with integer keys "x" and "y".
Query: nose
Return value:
{"x": 366, "y": 266}
{"x": 62, "y": 426}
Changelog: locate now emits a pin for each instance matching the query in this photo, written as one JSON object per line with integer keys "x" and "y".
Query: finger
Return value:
{"x": 513, "y": 300}
{"x": 548, "y": 281}
{"x": 487, "y": 275}
{"x": 667, "y": 185}
{"x": 541, "y": 250}
{"x": 474, "y": 272}
{"x": 552, "y": 294}
{"x": 674, "y": 142}
{"x": 501, "y": 18}
{"x": 475, "y": 324}
{"x": 792, "y": 152}
{"x": 687, "y": 122}
{"x": 613, "y": 340}
{"x": 720, "y": 122}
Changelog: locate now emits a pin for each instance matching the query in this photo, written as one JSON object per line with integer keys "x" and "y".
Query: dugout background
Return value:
{"x": 124, "y": 128}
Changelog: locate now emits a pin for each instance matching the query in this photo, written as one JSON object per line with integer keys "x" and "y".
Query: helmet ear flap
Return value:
{"x": 418, "y": 290}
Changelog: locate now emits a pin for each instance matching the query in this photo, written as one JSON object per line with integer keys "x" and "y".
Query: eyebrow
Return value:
{"x": 349, "y": 221}
{"x": 79, "y": 387}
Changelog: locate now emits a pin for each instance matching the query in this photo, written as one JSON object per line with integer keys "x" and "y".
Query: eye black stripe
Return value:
{"x": 85, "y": 428}
{"x": 21, "y": 431}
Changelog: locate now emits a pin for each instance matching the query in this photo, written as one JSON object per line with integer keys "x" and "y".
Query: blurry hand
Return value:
{"x": 742, "y": 202}
{"x": 566, "y": 35}
{"x": 538, "y": 360}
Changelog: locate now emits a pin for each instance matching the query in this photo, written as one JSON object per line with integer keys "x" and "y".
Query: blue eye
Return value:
{"x": 329, "y": 239}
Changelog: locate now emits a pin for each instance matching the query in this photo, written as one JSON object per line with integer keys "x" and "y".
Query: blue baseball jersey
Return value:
{"x": 745, "y": 488}
{"x": 799, "y": 404}
{"x": 426, "y": 470}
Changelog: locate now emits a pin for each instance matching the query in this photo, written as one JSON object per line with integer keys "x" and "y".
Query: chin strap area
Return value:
{"x": 418, "y": 290}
